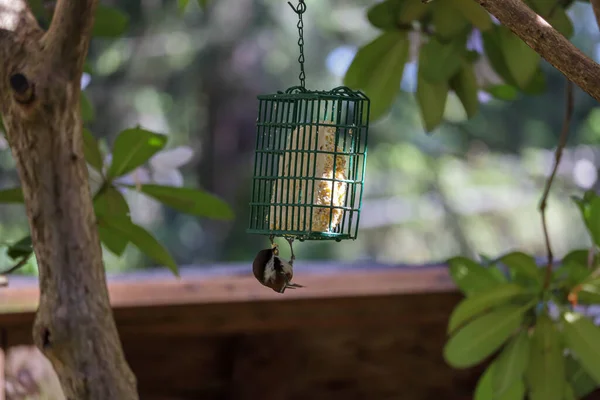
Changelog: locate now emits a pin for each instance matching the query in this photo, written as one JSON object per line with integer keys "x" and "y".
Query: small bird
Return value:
{"x": 272, "y": 271}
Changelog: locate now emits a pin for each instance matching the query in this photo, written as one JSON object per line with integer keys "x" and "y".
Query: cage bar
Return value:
{"x": 310, "y": 157}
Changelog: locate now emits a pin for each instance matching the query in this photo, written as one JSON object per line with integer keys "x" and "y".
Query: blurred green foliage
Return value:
{"x": 471, "y": 188}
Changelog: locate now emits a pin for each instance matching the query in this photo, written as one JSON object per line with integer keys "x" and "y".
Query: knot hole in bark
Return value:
{"x": 46, "y": 338}
{"x": 24, "y": 92}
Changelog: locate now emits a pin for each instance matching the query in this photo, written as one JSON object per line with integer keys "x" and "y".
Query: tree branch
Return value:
{"x": 39, "y": 102}
{"x": 549, "y": 43}
{"x": 68, "y": 37}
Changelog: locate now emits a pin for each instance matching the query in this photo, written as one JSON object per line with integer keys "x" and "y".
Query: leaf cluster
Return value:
{"x": 536, "y": 342}
{"x": 131, "y": 149}
{"x": 447, "y": 55}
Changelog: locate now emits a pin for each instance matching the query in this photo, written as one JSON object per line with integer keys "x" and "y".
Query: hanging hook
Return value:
{"x": 300, "y": 9}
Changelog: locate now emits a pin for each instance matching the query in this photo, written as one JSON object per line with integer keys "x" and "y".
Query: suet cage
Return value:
{"x": 309, "y": 166}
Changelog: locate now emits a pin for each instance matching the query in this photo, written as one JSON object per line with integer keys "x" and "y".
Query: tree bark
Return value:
{"x": 547, "y": 42}
{"x": 40, "y": 75}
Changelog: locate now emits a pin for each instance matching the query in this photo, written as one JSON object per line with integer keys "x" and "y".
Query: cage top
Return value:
{"x": 299, "y": 92}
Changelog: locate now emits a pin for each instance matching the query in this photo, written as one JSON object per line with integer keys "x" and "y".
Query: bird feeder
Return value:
{"x": 310, "y": 157}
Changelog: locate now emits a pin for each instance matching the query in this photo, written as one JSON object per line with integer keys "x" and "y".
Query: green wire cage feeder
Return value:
{"x": 310, "y": 158}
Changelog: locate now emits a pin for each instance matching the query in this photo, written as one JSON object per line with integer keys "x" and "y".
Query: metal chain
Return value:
{"x": 300, "y": 9}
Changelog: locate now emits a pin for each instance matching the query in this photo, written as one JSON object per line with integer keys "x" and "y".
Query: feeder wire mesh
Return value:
{"x": 310, "y": 158}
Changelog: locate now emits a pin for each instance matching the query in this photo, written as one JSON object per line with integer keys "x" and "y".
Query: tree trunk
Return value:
{"x": 40, "y": 75}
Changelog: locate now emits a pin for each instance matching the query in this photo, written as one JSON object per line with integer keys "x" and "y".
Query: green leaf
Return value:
{"x": 537, "y": 84}
{"x": 591, "y": 217}
{"x": 182, "y": 4}
{"x": 481, "y": 301}
{"x": 133, "y": 148}
{"x": 545, "y": 373}
{"x": 492, "y": 45}
{"x": 583, "y": 338}
{"x": 561, "y": 22}
{"x": 87, "y": 68}
{"x": 110, "y": 202}
{"x": 431, "y": 98}
{"x": 140, "y": 238}
{"x": 449, "y": 22}
{"x": 511, "y": 363}
{"x": 109, "y": 22}
{"x": 377, "y": 69}
{"x": 384, "y": 15}
{"x": 559, "y": 18}
{"x": 189, "y": 201}
{"x": 522, "y": 62}
{"x": 576, "y": 257}
{"x": 524, "y": 268}
{"x": 22, "y": 248}
{"x": 470, "y": 277}
{"x": 503, "y": 92}
{"x": 485, "y": 389}
{"x": 203, "y": 3}
{"x": 438, "y": 62}
{"x": 473, "y": 12}
{"x": 91, "y": 150}
{"x": 87, "y": 110}
{"x": 481, "y": 337}
{"x": 581, "y": 383}
{"x": 411, "y": 10}
{"x": 13, "y": 195}
{"x": 114, "y": 241}
{"x": 464, "y": 84}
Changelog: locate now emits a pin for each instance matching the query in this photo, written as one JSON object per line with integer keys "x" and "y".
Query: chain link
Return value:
{"x": 300, "y": 9}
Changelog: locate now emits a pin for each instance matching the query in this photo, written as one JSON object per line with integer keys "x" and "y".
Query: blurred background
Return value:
{"x": 472, "y": 187}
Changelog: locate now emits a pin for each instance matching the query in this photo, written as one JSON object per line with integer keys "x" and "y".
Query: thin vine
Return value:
{"x": 562, "y": 141}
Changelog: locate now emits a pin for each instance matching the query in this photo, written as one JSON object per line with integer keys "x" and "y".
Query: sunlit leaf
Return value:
{"x": 140, "y": 238}
{"x": 482, "y": 336}
{"x": 132, "y": 148}
{"x": 485, "y": 300}
{"x": 13, "y": 195}
{"x": 545, "y": 373}
{"x": 109, "y": 22}
{"x": 190, "y": 201}
{"x": 583, "y": 338}
{"x": 471, "y": 277}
